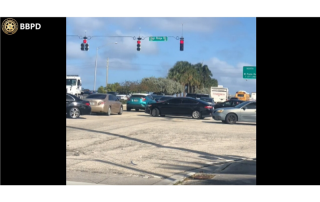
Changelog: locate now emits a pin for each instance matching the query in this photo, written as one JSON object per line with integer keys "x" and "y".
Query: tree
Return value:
{"x": 101, "y": 90}
{"x": 178, "y": 71}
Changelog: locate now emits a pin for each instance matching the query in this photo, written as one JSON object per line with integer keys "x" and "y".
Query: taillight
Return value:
{"x": 87, "y": 103}
{"x": 100, "y": 103}
{"x": 143, "y": 99}
{"x": 208, "y": 107}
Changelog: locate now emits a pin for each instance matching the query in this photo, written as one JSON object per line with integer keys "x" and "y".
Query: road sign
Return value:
{"x": 158, "y": 38}
{"x": 249, "y": 72}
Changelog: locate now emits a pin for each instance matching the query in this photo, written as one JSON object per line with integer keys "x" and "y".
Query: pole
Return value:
{"x": 107, "y": 74}
{"x": 95, "y": 72}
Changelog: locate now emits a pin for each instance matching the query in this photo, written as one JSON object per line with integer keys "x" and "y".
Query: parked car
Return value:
{"x": 208, "y": 100}
{"x": 229, "y": 103}
{"x": 76, "y": 106}
{"x": 181, "y": 106}
{"x": 105, "y": 103}
{"x": 243, "y": 112}
{"x": 122, "y": 97}
{"x": 113, "y": 93}
{"x": 139, "y": 101}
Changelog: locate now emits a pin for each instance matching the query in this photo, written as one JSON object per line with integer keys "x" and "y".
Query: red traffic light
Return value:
{"x": 181, "y": 41}
{"x": 138, "y": 42}
{"x": 84, "y": 40}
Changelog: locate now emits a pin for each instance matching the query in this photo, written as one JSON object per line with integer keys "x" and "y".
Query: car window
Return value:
{"x": 251, "y": 106}
{"x": 227, "y": 104}
{"x": 111, "y": 97}
{"x": 97, "y": 96}
{"x": 68, "y": 97}
{"x": 149, "y": 96}
{"x": 174, "y": 101}
{"x": 189, "y": 101}
{"x": 138, "y": 96}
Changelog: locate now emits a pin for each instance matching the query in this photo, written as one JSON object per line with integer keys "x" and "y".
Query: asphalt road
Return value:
{"x": 140, "y": 149}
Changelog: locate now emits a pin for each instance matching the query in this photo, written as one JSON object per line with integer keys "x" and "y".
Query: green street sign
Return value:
{"x": 158, "y": 38}
{"x": 249, "y": 72}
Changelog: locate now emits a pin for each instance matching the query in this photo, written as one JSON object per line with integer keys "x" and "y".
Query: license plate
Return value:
{"x": 135, "y": 100}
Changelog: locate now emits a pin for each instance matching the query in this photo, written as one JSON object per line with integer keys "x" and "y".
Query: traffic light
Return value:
{"x": 181, "y": 43}
{"x": 82, "y": 46}
{"x": 86, "y": 47}
{"x": 138, "y": 44}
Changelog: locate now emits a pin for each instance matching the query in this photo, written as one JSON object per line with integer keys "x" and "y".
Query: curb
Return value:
{"x": 180, "y": 177}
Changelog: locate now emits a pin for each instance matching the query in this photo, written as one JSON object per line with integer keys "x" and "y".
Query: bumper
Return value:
{"x": 136, "y": 106}
{"x": 147, "y": 110}
{"x": 97, "y": 108}
{"x": 216, "y": 117}
{"x": 207, "y": 115}
{"x": 86, "y": 111}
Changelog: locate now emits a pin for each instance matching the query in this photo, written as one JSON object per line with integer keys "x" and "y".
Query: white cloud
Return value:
{"x": 74, "y": 51}
{"x": 231, "y": 76}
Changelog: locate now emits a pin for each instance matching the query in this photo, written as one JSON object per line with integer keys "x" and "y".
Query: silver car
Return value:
{"x": 243, "y": 112}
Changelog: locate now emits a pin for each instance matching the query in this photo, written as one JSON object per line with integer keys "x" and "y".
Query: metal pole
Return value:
{"x": 95, "y": 72}
{"x": 107, "y": 74}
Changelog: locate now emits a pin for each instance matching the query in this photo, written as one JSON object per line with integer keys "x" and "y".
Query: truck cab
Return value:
{"x": 73, "y": 85}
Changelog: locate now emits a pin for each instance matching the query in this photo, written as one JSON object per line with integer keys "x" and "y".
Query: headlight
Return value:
{"x": 219, "y": 111}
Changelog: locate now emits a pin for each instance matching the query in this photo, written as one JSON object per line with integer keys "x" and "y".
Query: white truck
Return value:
{"x": 74, "y": 85}
{"x": 253, "y": 96}
{"x": 219, "y": 94}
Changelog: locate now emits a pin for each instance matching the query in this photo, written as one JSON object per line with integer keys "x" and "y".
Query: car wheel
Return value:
{"x": 128, "y": 109}
{"x": 120, "y": 112}
{"x": 231, "y": 118}
{"x": 109, "y": 112}
{"x": 137, "y": 110}
{"x": 154, "y": 112}
{"x": 74, "y": 113}
{"x": 196, "y": 114}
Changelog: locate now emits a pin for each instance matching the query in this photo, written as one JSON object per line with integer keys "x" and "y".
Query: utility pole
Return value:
{"x": 107, "y": 74}
{"x": 95, "y": 72}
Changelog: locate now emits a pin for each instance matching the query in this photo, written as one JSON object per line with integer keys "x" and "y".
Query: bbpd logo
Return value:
{"x": 30, "y": 26}
{"x": 10, "y": 26}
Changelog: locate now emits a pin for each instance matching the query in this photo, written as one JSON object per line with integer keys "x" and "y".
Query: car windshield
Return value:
{"x": 241, "y": 104}
{"x": 97, "y": 96}
{"x": 71, "y": 82}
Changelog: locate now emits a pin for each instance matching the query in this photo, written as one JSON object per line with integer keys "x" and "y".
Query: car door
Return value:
{"x": 112, "y": 101}
{"x": 171, "y": 106}
{"x": 248, "y": 113}
{"x": 187, "y": 106}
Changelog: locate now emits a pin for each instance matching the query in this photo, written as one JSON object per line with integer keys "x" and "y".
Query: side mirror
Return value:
{"x": 244, "y": 108}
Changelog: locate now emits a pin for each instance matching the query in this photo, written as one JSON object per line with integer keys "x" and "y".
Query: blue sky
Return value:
{"x": 224, "y": 44}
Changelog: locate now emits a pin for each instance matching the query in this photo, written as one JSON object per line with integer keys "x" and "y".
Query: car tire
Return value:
{"x": 121, "y": 109}
{"x": 137, "y": 110}
{"x": 109, "y": 111}
{"x": 128, "y": 109}
{"x": 196, "y": 114}
{"x": 154, "y": 112}
{"x": 231, "y": 119}
{"x": 74, "y": 113}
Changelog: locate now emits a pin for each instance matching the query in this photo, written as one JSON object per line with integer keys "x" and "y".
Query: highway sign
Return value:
{"x": 158, "y": 38}
{"x": 249, "y": 72}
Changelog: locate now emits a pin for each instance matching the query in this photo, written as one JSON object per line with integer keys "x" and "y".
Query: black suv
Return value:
{"x": 229, "y": 103}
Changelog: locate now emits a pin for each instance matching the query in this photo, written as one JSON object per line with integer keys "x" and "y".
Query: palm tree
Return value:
{"x": 204, "y": 73}
{"x": 177, "y": 73}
